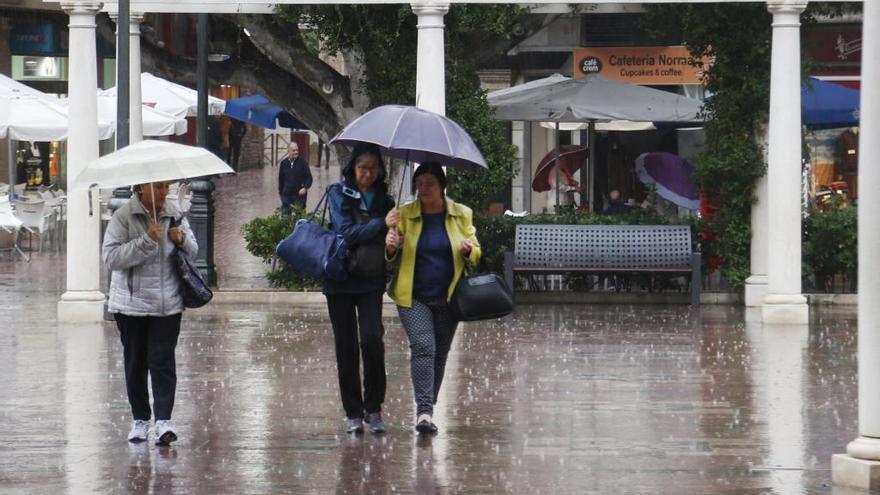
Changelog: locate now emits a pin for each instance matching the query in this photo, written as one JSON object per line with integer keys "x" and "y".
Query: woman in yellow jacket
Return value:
{"x": 433, "y": 240}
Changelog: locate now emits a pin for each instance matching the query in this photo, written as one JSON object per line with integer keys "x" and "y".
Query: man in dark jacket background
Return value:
{"x": 294, "y": 180}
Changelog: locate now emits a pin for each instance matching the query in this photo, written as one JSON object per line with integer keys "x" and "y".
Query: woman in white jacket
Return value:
{"x": 146, "y": 302}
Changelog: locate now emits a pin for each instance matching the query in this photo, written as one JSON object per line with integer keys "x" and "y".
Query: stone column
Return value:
{"x": 756, "y": 284}
{"x": 859, "y": 467}
{"x": 431, "y": 62}
{"x": 83, "y": 301}
{"x": 784, "y": 302}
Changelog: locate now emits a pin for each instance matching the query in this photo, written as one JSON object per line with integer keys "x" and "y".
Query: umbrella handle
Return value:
{"x": 91, "y": 212}
{"x": 402, "y": 177}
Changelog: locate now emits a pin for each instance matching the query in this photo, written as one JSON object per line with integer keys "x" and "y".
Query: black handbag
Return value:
{"x": 313, "y": 249}
{"x": 367, "y": 260}
{"x": 481, "y": 296}
{"x": 193, "y": 289}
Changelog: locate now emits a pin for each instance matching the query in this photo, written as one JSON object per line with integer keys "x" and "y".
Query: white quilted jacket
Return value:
{"x": 143, "y": 280}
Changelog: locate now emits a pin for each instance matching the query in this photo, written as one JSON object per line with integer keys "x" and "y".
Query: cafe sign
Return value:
{"x": 639, "y": 64}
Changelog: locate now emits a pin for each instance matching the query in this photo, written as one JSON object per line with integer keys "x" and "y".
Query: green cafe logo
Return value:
{"x": 591, "y": 65}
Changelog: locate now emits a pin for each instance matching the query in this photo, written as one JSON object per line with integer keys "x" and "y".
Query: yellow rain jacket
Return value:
{"x": 459, "y": 226}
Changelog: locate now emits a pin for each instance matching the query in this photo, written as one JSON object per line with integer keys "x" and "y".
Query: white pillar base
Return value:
{"x": 857, "y": 473}
{"x": 81, "y": 307}
{"x": 756, "y": 291}
{"x": 785, "y": 309}
{"x": 867, "y": 448}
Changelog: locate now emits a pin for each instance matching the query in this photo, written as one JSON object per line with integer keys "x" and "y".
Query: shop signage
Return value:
{"x": 639, "y": 64}
{"x": 32, "y": 39}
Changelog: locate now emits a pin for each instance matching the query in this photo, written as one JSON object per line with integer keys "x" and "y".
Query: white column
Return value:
{"x": 135, "y": 112}
{"x": 860, "y": 467}
{"x": 756, "y": 284}
{"x": 784, "y": 302}
{"x": 83, "y": 300}
{"x": 431, "y": 61}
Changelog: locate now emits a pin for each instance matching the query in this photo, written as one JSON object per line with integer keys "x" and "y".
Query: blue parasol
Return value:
{"x": 826, "y": 104}
{"x": 258, "y": 110}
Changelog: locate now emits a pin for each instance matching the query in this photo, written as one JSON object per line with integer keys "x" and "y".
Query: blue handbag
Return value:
{"x": 313, "y": 249}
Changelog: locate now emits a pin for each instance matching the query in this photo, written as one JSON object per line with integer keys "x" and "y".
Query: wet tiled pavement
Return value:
{"x": 554, "y": 399}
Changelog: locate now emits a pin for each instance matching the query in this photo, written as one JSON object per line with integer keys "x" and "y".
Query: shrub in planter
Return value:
{"x": 262, "y": 234}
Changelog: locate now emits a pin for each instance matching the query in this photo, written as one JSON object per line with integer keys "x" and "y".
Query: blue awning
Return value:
{"x": 258, "y": 110}
{"x": 826, "y": 104}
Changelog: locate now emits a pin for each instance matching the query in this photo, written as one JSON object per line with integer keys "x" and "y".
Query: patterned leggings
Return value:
{"x": 430, "y": 329}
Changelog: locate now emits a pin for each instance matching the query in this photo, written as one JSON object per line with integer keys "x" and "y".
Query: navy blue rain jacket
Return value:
{"x": 344, "y": 210}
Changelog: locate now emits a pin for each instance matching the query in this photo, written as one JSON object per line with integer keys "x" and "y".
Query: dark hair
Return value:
{"x": 433, "y": 168}
{"x": 360, "y": 150}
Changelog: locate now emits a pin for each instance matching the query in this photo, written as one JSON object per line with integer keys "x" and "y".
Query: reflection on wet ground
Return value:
{"x": 554, "y": 399}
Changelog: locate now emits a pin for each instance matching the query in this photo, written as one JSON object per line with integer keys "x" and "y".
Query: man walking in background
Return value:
{"x": 294, "y": 180}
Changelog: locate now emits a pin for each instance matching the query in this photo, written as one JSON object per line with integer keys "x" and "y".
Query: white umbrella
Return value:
{"x": 155, "y": 122}
{"x": 150, "y": 161}
{"x": 172, "y": 98}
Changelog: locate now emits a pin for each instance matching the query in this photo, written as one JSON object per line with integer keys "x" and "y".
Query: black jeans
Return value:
{"x": 350, "y": 315}
{"x": 148, "y": 344}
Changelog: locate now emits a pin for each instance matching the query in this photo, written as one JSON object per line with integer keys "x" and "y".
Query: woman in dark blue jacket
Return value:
{"x": 358, "y": 205}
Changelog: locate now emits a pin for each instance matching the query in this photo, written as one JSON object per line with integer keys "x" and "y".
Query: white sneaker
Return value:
{"x": 140, "y": 430}
{"x": 165, "y": 432}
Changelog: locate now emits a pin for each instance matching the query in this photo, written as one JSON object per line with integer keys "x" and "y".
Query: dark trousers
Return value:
{"x": 287, "y": 203}
{"x": 430, "y": 328}
{"x": 351, "y": 315}
{"x": 148, "y": 344}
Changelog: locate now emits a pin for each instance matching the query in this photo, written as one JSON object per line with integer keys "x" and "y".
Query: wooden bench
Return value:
{"x": 552, "y": 249}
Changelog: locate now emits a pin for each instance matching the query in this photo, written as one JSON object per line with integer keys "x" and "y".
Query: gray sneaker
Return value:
{"x": 140, "y": 431}
{"x": 354, "y": 425}
{"x": 375, "y": 422}
{"x": 165, "y": 432}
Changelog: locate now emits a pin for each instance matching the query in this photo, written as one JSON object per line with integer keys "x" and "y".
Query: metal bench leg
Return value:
{"x": 508, "y": 269}
{"x": 696, "y": 279}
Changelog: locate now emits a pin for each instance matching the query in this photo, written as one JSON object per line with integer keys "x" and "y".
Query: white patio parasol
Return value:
{"x": 150, "y": 161}
{"x": 172, "y": 98}
{"x": 155, "y": 122}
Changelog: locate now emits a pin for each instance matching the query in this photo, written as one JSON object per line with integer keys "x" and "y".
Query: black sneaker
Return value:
{"x": 426, "y": 427}
{"x": 374, "y": 420}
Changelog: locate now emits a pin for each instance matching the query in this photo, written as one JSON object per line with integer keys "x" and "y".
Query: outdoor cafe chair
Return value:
{"x": 11, "y": 225}
{"x": 33, "y": 217}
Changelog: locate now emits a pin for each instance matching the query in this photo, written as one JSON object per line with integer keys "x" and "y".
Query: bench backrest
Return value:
{"x": 603, "y": 246}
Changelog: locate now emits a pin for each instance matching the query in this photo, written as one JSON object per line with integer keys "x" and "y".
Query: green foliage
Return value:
{"x": 830, "y": 245}
{"x": 262, "y": 234}
{"x": 739, "y": 80}
{"x": 732, "y": 162}
{"x": 468, "y": 106}
{"x": 385, "y": 36}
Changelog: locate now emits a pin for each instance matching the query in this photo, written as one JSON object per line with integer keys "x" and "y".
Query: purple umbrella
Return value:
{"x": 671, "y": 175}
{"x": 415, "y": 135}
